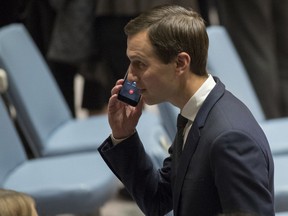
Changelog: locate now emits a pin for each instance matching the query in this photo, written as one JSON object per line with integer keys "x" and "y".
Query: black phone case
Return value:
{"x": 129, "y": 93}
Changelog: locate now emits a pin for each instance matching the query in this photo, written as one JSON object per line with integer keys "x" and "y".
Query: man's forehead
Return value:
{"x": 139, "y": 45}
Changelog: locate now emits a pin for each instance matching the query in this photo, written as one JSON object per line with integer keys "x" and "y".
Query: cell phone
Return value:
{"x": 129, "y": 93}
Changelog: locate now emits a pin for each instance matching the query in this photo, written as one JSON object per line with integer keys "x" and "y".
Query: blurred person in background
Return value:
{"x": 258, "y": 29}
{"x": 88, "y": 38}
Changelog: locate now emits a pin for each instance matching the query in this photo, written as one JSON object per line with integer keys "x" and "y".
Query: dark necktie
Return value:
{"x": 181, "y": 123}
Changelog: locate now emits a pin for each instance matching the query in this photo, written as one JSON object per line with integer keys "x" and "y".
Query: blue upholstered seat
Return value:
{"x": 76, "y": 183}
{"x": 282, "y": 213}
{"x": 42, "y": 112}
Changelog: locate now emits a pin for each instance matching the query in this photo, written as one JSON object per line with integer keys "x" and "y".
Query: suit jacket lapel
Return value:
{"x": 193, "y": 139}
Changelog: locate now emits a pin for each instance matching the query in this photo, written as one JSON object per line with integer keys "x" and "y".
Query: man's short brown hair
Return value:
{"x": 173, "y": 29}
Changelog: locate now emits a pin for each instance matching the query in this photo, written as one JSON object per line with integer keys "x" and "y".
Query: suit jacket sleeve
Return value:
{"x": 149, "y": 187}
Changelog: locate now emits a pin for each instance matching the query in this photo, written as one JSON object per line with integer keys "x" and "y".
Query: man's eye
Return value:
{"x": 139, "y": 65}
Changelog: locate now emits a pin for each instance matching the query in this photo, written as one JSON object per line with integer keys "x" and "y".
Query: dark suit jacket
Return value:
{"x": 226, "y": 165}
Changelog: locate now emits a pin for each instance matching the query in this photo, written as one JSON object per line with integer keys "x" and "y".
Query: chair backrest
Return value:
{"x": 32, "y": 89}
{"x": 11, "y": 151}
{"x": 225, "y": 63}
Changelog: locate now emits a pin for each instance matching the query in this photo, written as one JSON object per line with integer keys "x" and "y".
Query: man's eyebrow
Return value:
{"x": 136, "y": 57}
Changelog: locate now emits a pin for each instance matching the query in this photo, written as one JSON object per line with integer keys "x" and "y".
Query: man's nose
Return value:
{"x": 132, "y": 77}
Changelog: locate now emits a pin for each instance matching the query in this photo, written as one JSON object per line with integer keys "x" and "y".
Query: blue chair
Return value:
{"x": 42, "y": 113}
{"x": 224, "y": 62}
{"x": 75, "y": 184}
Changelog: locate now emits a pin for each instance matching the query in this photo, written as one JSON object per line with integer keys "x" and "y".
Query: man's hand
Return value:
{"x": 122, "y": 117}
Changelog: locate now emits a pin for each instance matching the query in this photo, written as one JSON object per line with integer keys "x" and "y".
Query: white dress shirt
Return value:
{"x": 192, "y": 107}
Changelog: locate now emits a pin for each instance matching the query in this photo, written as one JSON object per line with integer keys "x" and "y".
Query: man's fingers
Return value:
{"x": 117, "y": 87}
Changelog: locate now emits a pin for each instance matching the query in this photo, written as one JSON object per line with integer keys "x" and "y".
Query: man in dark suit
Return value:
{"x": 225, "y": 165}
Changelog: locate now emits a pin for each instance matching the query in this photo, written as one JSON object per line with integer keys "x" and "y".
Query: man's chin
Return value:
{"x": 150, "y": 102}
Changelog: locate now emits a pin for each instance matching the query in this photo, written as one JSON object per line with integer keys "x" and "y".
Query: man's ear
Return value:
{"x": 182, "y": 62}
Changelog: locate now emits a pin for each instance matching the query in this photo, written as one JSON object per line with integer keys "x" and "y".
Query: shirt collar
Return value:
{"x": 191, "y": 108}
